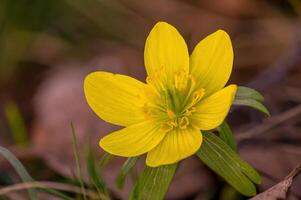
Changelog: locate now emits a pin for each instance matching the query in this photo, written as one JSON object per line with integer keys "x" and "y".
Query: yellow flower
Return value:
{"x": 182, "y": 96}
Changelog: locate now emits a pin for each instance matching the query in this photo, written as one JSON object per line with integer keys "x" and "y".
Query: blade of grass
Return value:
{"x": 57, "y": 193}
{"x": 25, "y": 177}
{"x": 94, "y": 175}
{"x": 20, "y": 170}
{"x": 104, "y": 161}
{"x": 76, "y": 156}
{"x": 16, "y": 123}
{"x": 126, "y": 168}
{"x": 50, "y": 187}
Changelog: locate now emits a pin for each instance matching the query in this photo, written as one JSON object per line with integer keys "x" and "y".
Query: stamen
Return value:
{"x": 180, "y": 80}
{"x": 156, "y": 79}
{"x": 149, "y": 80}
{"x": 170, "y": 114}
{"x": 197, "y": 96}
{"x": 192, "y": 79}
{"x": 183, "y": 122}
{"x": 171, "y": 100}
{"x": 191, "y": 85}
{"x": 174, "y": 123}
{"x": 189, "y": 111}
{"x": 166, "y": 127}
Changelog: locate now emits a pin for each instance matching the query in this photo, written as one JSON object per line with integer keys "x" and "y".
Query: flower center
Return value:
{"x": 172, "y": 101}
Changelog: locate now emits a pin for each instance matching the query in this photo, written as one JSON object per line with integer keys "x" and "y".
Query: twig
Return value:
{"x": 47, "y": 185}
{"x": 270, "y": 123}
{"x": 279, "y": 191}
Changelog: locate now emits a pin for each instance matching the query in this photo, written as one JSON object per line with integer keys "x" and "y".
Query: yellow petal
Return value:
{"x": 211, "y": 62}
{"x": 176, "y": 145}
{"x": 133, "y": 140}
{"x": 114, "y": 97}
{"x": 165, "y": 51}
{"x": 212, "y": 111}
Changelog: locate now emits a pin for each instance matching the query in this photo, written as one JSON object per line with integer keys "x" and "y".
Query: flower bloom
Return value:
{"x": 182, "y": 96}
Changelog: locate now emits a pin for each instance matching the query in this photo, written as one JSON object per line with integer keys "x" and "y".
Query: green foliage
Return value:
{"x": 225, "y": 133}
{"x": 25, "y": 177}
{"x": 95, "y": 177}
{"x": 229, "y": 192}
{"x": 126, "y": 168}
{"x": 91, "y": 165}
{"x": 19, "y": 169}
{"x": 248, "y": 93}
{"x": 76, "y": 156}
{"x": 57, "y": 193}
{"x": 252, "y": 103}
{"x": 249, "y": 97}
{"x": 16, "y": 123}
{"x": 19, "y": 20}
{"x": 105, "y": 159}
{"x": 218, "y": 156}
{"x": 153, "y": 183}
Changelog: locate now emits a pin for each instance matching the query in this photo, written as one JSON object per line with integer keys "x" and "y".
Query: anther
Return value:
{"x": 189, "y": 111}
{"x": 170, "y": 114}
{"x": 197, "y": 96}
{"x": 174, "y": 123}
{"x": 180, "y": 80}
{"x": 149, "y": 80}
{"x": 166, "y": 127}
{"x": 183, "y": 122}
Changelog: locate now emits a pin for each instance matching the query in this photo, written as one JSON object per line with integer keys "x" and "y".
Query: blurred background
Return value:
{"x": 48, "y": 47}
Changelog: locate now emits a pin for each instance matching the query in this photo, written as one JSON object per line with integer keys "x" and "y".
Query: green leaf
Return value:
{"x": 95, "y": 176}
{"x": 77, "y": 161}
{"x": 226, "y": 135}
{"x": 20, "y": 169}
{"x": 16, "y": 123}
{"x": 228, "y": 192}
{"x": 248, "y": 93}
{"x": 106, "y": 157}
{"x": 57, "y": 193}
{"x": 249, "y": 97}
{"x": 126, "y": 168}
{"x": 218, "y": 156}
{"x": 253, "y": 104}
{"x": 153, "y": 183}
{"x": 25, "y": 177}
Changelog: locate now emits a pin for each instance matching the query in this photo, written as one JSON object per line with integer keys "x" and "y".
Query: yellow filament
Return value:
{"x": 180, "y": 80}
{"x": 166, "y": 127}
